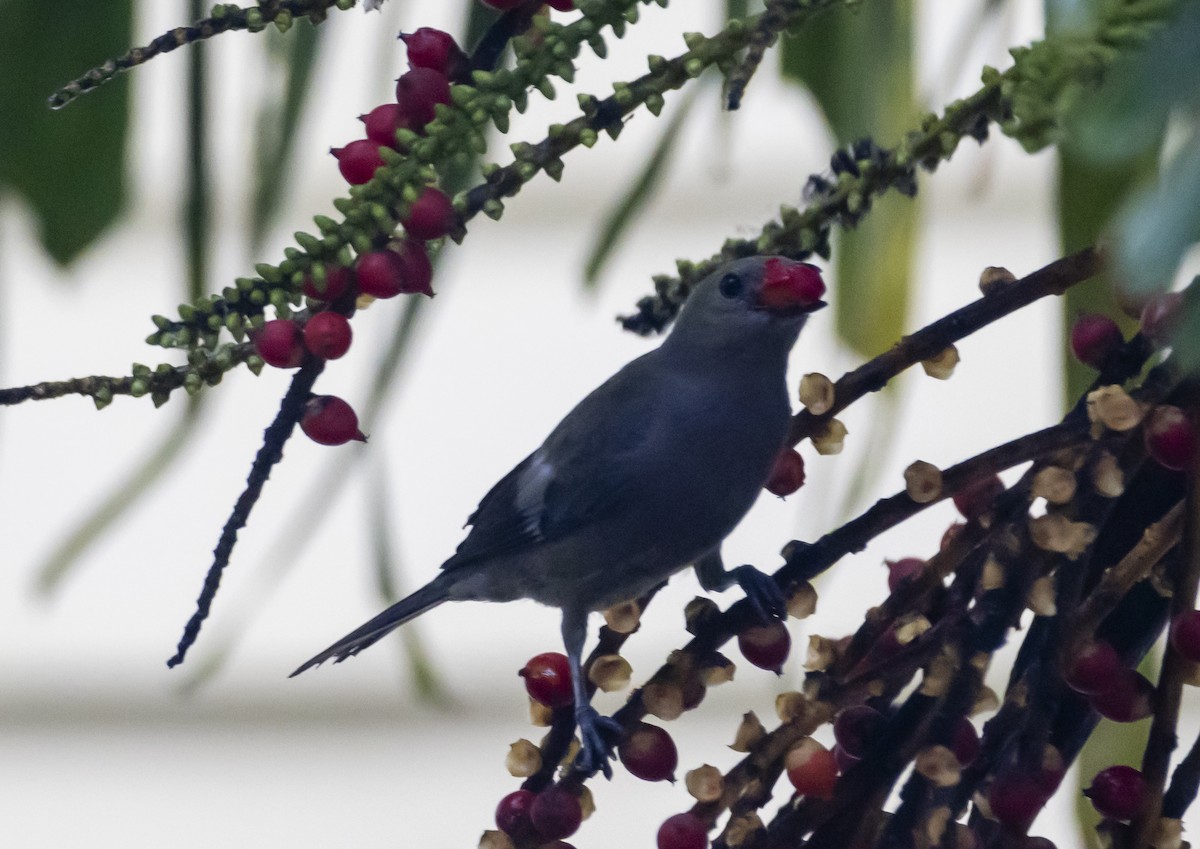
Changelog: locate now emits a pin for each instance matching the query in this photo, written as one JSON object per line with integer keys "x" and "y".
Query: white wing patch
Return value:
{"x": 531, "y": 493}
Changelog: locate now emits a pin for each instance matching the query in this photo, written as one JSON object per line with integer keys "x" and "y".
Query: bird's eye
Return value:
{"x": 731, "y": 286}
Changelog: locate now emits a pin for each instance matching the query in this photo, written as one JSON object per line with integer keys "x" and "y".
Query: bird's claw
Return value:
{"x": 598, "y": 736}
{"x": 762, "y": 592}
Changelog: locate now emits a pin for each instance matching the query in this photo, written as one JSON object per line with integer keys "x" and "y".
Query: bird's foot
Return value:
{"x": 598, "y": 735}
{"x": 762, "y": 592}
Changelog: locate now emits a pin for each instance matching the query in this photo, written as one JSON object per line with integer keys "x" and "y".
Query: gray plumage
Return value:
{"x": 645, "y": 476}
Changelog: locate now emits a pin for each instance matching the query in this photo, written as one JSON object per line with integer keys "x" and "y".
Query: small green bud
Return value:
{"x": 598, "y": 45}
{"x": 102, "y": 396}
{"x": 224, "y": 359}
{"x": 192, "y": 383}
{"x": 655, "y": 103}
{"x": 233, "y": 323}
{"x": 218, "y": 11}
{"x": 554, "y": 167}
{"x": 526, "y": 171}
{"x": 246, "y": 284}
{"x": 138, "y": 388}
{"x": 693, "y": 39}
{"x": 693, "y": 67}
{"x": 231, "y": 295}
{"x": 588, "y": 137}
{"x": 493, "y": 209}
{"x": 159, "y": 398}
{"x": 255, "y": 363}
{"x": 343, "y": 205}
{"x": 500, "y": 119}
{"x": 187, "y": 313}
{"x": 254, "y": 20}
{"x": 283, "y": 20}
{"x": 140, "y": 370}
{"x": 658, "y": 64}
{"x": 258, "y": 298}
{"x": 307, "y": 241}
{"x": 214, "y": 322}
{"x": 268, "y": 272}
{"x": 362, "y": 243}
{"x": 161, "y": 322}
{"x": 546, "y": 88}
{"x": 520, "y": 100}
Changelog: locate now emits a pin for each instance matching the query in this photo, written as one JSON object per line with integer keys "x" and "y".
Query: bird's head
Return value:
{"x": 750, "y": 302}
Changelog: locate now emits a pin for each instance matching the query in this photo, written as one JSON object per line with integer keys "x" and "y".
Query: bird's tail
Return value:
{"x": 426, "y": 598}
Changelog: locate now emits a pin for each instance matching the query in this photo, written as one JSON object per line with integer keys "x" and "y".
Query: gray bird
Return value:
{"x": 646, "y": 476}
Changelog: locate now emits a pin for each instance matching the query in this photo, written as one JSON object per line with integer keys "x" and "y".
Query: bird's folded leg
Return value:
{"x": 761, "y": 590}
{"x": 598, "y": 735}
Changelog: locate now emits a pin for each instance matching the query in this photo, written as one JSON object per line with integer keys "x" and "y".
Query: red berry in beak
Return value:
{"x": 791, "y": 286}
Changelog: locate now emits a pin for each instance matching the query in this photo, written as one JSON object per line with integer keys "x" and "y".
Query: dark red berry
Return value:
{"x": 683, "y": 831}
{"x": 430, "y": 217}
{"x": 337, "y": 281}
{"x": 1160, "y": 317}
{"x": 949, "y": 535}
{"x": 556, "y": 813}
{"x": 418, "y": 270}
{"x": 434, "y": 49}
{"x": 512, "y": 815}
{"x": 1014, "y": 799}
{"x": 766, "y": 646}
{"x": 1094, "y": 668}
{"x": 1185, "y": 635}
{"x": 812, "y": 769}
{"x": 976, "y": 498}
{"x": 418, "y": 91}
{"x": 787, "y": 475}
{"x": 856, "y": 728}
{"x": 328, "y": 335}
{"x": 382, "y": 122}
{"x": 561, "y": 5}
{"x": 358, "y": 160}
{"x": 1130, "y": 698}
{"x": 964, "y": 741}
{"x": 1093, "y": 338}
{"x": 380, "y": 274}
{"x": 1170, "y": 437}
{"x": 1118, "y": 792}
{"x": 901, "y": 570}
{"x": 329, "y": 420}
{"x": 649, "y": 753}
{"x": 548, "y": 679}
{"x": 278, "y": 343}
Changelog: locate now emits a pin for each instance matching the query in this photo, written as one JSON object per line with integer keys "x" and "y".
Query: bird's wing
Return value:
{"x": 584, "y": 469}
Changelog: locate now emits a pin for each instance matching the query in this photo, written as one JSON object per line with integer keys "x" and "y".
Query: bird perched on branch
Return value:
{"x": 646, "y": 476}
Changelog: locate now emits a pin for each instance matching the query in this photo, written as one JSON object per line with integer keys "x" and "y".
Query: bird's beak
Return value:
{"x": 790, "y": 288}
{"x": 814, "y": 306}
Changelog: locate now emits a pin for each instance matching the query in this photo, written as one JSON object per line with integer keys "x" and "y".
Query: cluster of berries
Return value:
{"x": 1169, "y": 433}
{"x": 402, "y": 267}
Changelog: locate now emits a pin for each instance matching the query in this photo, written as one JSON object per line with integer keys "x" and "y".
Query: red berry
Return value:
{"x": 418, "y": 270}
{"x": 1160, "y": 317}
{"x": 856, "y": 728}
{"x": 1185, "y": 635}
{"x": 788, "y": 284}
{"x": 812, "y": 769}
{"x": 1170, "y": 437}
{"x": 649, "y": 753}
{"x": 976, "y": 498}
{"x": 1015, "y": 799}
{"x": 512, "y": 815}
{"x": 420, "y": 90}
{"x": 766, "y": 646}
{"x": 431, "y": 216}
{"x": 1129, "y": 699}
{"x": 358, "y": 160}
{"x": 556, "y": 813}
{"x": 382, "y": 123}
{"x": 329, "y": 420}
{"x": 327, "y": 335}
{"x": 278, "y": 343}
{"x": 434, "y": 49}
{"x": 548, "y": 679}
{"x": 787, "y": 475}
{"x": 964, "y": 741}
{"x": 1093, "y": 669}
{"x": 901, "y": 570}
{"x": 949, "y": 535}
{"x": 380, "y": 274}
{"x": 1118, "y": 792}
{"x": 683, "y": 831}
{"x": 337, "y": 281}
{"x": 1093, "y": 338}
{"x": 561, "y": 5}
